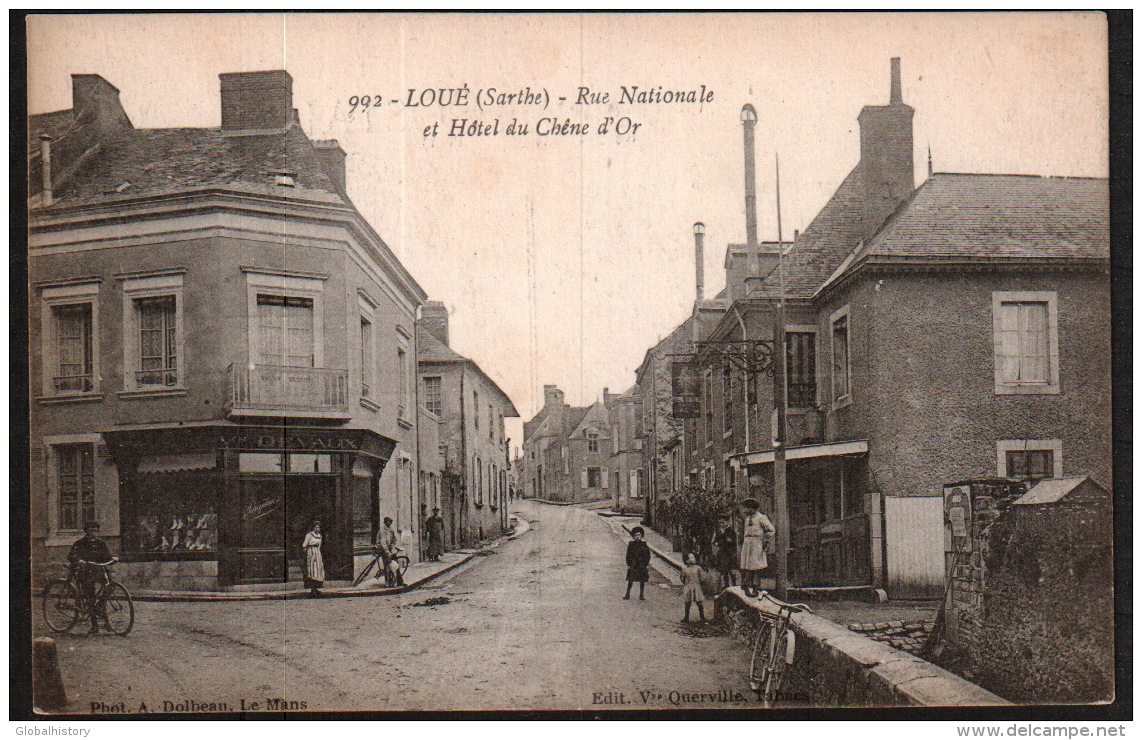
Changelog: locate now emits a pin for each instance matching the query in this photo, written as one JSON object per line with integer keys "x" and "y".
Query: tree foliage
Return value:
{"x": 694, "y": 512}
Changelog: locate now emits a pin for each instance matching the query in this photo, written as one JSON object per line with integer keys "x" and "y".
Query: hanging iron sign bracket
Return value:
{"x": 753, "y": 356}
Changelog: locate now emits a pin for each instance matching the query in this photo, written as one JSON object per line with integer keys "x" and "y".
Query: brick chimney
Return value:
{"x": 886, "y": 154}
{"x": 434, "y": 320}
{"x": 552, "y": 396}
{"x": 256, "y": 101}
{"x": 332, "y": 158}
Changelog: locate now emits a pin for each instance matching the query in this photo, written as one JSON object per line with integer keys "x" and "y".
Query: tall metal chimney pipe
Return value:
{"x": 46, "y": 167}
{"x": 894, "y": 96}
{"x": 749, "y": 119}
{"x": 699, "y": 260}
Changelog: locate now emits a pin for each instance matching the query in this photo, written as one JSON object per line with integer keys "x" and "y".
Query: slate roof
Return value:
{"x": 160, "y": 161}
{"x": 819, "y": 250}
{"x": 954, "y": 216}
{"x": 1053, "y": 490}
{"x": 1016, "y": 216}
{"x": 54, "y": 124}
{"x": 430, "y": 350}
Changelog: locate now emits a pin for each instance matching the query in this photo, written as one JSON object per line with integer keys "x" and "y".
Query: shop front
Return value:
{"x": 227, "y": 504}
{"x": 835, "y": 518}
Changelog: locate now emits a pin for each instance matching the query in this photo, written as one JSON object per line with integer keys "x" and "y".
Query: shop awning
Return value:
{"x": 831, "y": 449}
{"x": 175, "y": 463}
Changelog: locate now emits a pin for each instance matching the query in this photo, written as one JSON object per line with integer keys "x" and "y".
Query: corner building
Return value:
{"x": 221, "y": 348}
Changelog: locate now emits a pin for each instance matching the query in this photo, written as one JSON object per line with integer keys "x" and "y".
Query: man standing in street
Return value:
{"x": 434, "y": 526}
{"x": 386, "y": 546}
{"x": 83, "y": 556}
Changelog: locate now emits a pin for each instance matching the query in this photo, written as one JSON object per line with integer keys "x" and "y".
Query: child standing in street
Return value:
{"x": 638, "y": 562}
{"x": 692, "y": 586}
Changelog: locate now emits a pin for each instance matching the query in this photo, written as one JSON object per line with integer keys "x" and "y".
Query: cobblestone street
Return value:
{"x": 539, "y": 624}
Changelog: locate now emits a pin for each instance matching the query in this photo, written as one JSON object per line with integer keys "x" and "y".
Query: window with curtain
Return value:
{"x": 74, "y": 347}
{"x": 842, "y": 386}
{"x": 1023, "y": 348}
{"x": 75, "y": 468}
{"x": 158, "y": 341}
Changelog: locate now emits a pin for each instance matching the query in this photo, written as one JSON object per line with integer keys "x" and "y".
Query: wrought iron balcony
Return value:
{"x": 166, "y": 377}
{"x": 279, "y": 390}
{"x": 74, "y": 383}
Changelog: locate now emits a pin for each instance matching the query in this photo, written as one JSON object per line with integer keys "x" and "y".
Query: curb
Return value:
{"x": 522, "y": 528}
{"x": 562, "y": 503}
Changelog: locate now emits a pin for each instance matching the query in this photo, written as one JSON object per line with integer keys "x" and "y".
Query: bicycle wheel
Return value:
{"x": 778, "y": 660}
{"x": 118, "y": 611}
{"x": 365, "y": 573}
{"x": 759, "y": 663}
{"x": 61, "y": 605}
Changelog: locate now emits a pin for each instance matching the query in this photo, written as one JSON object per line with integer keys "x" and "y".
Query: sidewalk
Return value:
{"x": 417, "y": 575}
{"x": 902, "y": 624}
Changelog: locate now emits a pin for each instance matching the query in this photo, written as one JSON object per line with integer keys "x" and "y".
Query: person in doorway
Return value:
{"x": 638, "y": 563}
{"x": 314, "y": 566}
{"x": 753, "y": 560}
{"x": 434, "y": 526}
{"x": 692, "y": 586}
{"x": 385, "y": 549}
{"x": 726, "y": 554}
{"x": 85, "y": 555}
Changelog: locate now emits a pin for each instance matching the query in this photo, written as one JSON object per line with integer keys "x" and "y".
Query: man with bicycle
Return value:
{"x": 84, "y": 556}
{"x": 386, "y": 548}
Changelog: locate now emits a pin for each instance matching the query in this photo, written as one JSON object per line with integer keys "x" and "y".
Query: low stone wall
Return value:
{"x": 837, "y": 667}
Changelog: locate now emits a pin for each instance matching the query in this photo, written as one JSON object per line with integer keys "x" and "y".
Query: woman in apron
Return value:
{"x": 314, "y": 567}
{"x": 753, "y": 560}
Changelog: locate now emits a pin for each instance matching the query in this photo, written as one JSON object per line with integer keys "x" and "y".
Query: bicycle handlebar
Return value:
{"x": 783, "y": 604}
{"x": 88, "y": 562}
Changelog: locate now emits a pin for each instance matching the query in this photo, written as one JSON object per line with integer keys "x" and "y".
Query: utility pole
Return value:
{"x": 780, "y": 403}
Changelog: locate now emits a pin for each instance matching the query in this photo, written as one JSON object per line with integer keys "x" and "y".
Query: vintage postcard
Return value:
{"x": 581, "y": 362}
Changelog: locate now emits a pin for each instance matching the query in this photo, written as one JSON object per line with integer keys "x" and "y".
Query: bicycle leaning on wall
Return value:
{"x": 773, "y": 649}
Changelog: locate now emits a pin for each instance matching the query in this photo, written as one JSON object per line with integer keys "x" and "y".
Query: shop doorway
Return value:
{"x": 280, "y": 497}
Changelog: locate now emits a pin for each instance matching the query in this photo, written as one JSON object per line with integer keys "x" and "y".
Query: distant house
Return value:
{"x": 567, "y": 451}
{"x": 473, "y": 498}
{"x": 628, "y": 484}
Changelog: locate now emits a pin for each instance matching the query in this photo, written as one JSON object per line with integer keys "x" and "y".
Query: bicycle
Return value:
{"x": 65, "y": 606}
{"x": 394, "y": 576}
{"x": 773, "y": 649}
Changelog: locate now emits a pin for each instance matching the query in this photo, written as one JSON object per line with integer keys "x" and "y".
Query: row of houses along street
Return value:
{"x": 954, "y": 331}
{"x": 224, "y": 350}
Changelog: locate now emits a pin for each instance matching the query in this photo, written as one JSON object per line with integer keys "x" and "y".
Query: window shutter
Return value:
{"x": 584, "y": 478}
{"x": 605, "y": 476}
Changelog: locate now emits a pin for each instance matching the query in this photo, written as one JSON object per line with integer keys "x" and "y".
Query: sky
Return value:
{"x": 563, "y": 258}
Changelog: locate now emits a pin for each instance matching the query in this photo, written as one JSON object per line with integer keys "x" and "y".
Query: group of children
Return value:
{"x": 758, "y": 529}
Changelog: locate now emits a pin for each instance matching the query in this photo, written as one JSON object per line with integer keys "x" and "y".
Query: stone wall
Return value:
{"x": 834, "y": 666}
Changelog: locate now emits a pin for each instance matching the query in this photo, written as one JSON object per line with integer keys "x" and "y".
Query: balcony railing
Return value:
{"x": 167, "y": 377}
{"x": 278, "y": 390}
{"x": 74, "y": 383}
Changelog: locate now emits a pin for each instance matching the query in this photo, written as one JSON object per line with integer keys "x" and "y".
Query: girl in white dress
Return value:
{"x": 314, "y": 567}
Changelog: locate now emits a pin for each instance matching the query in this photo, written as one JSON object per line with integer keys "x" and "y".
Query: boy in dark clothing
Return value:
{"x": 638, "y": 562}
{"x": 89, "y": 549}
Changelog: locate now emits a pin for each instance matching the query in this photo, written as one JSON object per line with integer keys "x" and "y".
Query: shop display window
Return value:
{"x": 171, "y": 516}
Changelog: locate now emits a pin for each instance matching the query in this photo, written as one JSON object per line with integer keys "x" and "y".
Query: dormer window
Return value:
{"x": 285, "y": 179}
